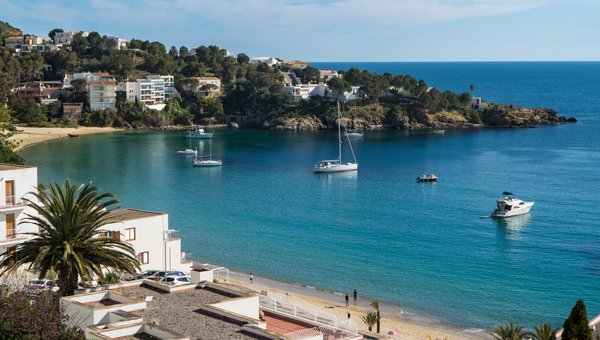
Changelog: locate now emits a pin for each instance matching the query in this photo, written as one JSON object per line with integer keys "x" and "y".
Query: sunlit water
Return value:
{"x": 429, "y": 248}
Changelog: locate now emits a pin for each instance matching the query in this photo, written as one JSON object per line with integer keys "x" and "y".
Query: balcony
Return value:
{"x": 11, "y": 204}
{"x": 11, "y": 240}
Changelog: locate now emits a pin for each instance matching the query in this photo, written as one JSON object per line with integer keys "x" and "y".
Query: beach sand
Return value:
{"x": 28, "y": 136}
{"x": 410, "y": 326}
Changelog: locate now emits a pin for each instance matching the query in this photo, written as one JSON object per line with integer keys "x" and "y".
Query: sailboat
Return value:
{"x": 207, "y": 161}
{"x": 188, "y": 151}
{"x": 336, "y": 165}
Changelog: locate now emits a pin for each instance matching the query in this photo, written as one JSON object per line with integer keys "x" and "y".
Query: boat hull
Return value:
{"x": 207, "y": 164}
{"x": 521, "y": 210}
{"x": 336, "y": 168}
{"x": 353, "y": 135}
{"x": 199, "y": 135}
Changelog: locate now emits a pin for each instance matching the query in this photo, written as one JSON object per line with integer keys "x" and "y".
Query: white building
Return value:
{"x": 120, "y": 44}
{"x": 154, "y": 90}
{"x": 149, "y": 234}
{"x": 478, "y": 104}
{"x": 18, "y": 182}
{"x": 101, "y": 91}
{"x": 64, "y": 37}
{"x": 327, "y": 75}
{"x": 266, "y": 60}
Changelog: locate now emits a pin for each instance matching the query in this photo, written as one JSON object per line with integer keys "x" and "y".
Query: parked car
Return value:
{"x": 85, "y": 284}
{"x": 147, "y": 273}
{"x": 176, "y": 280}
{"x": 37, "y": 286}
{"x": 161, "y": 274}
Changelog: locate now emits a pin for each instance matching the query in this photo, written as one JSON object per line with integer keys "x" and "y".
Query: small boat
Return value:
{"x": 207, "y": 161}
{"x": 439, "y": 132}
{"x": 198, "y": 133}
{"x": 73, "y": 134}
{"x": 508, "y": 205}
{"x": 353, "y": 134}
{"x": 189, "y": 151}
{"x": 427, "y": 178}
{"x": 336, "y": 165}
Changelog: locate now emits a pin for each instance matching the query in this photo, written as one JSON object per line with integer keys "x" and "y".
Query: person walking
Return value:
{"x": 347, "y": 299}
{"x": 251, "y": 278}
{"x": 355, "y": 295}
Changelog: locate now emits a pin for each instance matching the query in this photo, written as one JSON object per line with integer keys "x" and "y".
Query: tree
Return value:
{"x": 370, "y": 319}
{"x": 7, "y": 146}
{"x": 23, "y": 316}
{"x": 338, "y": 86}
{"x": 509, "y": 331}
{"x": 242, "y": 58}
{"x": 310, "y": 75}
{"x": 173, "y": 52}
{"x": 69, "y": 243}
{"x": 375, "y": 305}
{"x": 576, "y": 325}
{"x": 544, "y": 332}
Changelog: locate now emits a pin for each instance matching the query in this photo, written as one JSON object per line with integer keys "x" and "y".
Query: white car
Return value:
{"x": 36, "y": 286}
{"x": 176, "y": 280}
{"x": 85, "y": 283}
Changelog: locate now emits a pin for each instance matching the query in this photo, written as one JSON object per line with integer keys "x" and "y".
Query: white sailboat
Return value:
{"x": 207, "y": 161}
{"x": 189, "y": 151}
{"x": 336, "y": 165}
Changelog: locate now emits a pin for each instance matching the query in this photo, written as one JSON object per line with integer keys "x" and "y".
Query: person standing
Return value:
{"x": 251, "y": 278}
{"x": 355, "y": 295}
{"x": 347, "y": 299}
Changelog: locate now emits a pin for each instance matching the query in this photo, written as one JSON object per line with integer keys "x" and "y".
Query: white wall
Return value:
{"x": 25, "y": 181}
{"x": 246, "y": 306}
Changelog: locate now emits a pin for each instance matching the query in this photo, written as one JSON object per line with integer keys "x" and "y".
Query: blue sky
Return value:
{"x": 338, "y": 30}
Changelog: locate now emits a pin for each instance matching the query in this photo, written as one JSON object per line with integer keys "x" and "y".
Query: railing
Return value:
{"x": 291, "y": 305}
{"x": 303, "y": 333}
{"x": 11, "y": 201}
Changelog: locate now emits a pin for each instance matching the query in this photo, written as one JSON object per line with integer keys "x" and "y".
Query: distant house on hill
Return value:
{"x": 43, "y": 92}
{"x": 327, "y": 75}
{"x": 204, "y": 87}
{"x": 478, "y": 104}
{"x": 100, "y": 86}
{"x": 265, "y": 60}
{"x": 151, "y": 91}
{"x": 295, "y": 64}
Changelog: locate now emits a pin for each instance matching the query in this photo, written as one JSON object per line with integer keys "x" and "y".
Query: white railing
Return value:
{"x": 303, "y": 333}
{"x": 291, "y": 305}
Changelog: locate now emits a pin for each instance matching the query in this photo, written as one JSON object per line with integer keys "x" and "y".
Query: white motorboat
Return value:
{"x": 198, "y": 133}
{"x": 508, "y": 205}
{"x": 427, "y": 178}
{"x": 439, "y": 132}
{"x": 336, "y": 165}
{"x": 207, "y": 161}
{"x": 189, "y": 151}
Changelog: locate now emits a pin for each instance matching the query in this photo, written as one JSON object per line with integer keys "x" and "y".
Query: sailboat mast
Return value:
{"x": 339, "y": 133}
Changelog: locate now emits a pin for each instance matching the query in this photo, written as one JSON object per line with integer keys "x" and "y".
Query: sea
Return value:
{"x": 428, "y": 249}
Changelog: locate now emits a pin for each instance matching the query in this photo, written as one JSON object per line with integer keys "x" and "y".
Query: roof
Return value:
{"x": 118, "y": 215}
{"x": 208, "y": 78}
{"x": 295, "y": 62}
{"x": 6, "y": 166}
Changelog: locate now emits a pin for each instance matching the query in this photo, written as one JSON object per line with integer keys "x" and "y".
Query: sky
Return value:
{"x": 336, "y": 30}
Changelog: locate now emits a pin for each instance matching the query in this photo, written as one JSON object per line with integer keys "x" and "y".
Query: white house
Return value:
{"x": 266, "y": 60}
{"x": 19, "y": 181}
{"x": 148, "y": 232}
{"x": 327, "y": 75}
{"x": 65, "y": 37}
{"x": 152, "y": 90}
{"x": 121, "y": 44}
{"x": 478, "y": 104}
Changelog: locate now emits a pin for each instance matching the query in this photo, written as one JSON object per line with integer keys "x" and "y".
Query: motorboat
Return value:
{"x": 207, "y": 161}
{"x": 439, "y": 132}
{"x": 427, "y": 178}
{"x": 508, "y": 205}
{"x": 189, "y": 151}
{"x": 336, "y": 165}
{"x": 198, "y": 133}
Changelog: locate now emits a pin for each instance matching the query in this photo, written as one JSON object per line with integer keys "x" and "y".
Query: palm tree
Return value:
{"x": 375, "y": 305}
{"x": 69, "y": 219}
{"x": 544, "y": 332}
{"x": 509, "y": 331}
{"x": 370, "y": 319}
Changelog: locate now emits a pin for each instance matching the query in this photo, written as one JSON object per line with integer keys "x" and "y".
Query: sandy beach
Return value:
{"x": 28, "y": 136}
{"x": 410, "y": 326}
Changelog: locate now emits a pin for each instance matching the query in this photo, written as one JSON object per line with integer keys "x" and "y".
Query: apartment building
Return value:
{"x": 101, "y": 88}
{"x": 152, "y": 90}
{"x": 43, "y": 92}
{"x": 16, "y": 182}
{"x": 156, "y": 246}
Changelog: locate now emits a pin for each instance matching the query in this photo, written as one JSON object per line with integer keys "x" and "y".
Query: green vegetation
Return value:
{"x": 510, "y": 331}
{"x": 69, "y": 242}
{"x": 370, "y": 319}
{"x": 576, "y": 326}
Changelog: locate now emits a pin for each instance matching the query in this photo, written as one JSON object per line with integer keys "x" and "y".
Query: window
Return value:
{"x": 103, "y": 234}
{"x": 143, "y": 258}
{"x": 130, "y": 234}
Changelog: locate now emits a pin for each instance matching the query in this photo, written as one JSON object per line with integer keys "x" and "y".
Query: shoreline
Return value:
{"x": 27, "y": 136}
{"x": 393, "y": 317}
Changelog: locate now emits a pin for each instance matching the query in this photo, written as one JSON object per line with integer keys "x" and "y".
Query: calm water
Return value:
{"x": 425, "y": 247}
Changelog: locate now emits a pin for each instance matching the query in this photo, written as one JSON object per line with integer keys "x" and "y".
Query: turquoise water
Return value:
{"x": 424, "y": 247}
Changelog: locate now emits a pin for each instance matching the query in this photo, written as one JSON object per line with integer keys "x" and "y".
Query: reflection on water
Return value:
{"x": 511, "y": 227}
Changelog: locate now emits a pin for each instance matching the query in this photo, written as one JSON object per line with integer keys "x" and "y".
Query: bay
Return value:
{"x": 423, "y": 247}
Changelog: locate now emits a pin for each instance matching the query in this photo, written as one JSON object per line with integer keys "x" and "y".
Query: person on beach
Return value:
{"x": 251, "y": 278}
{"x": 355, "y": 295}
{"x": 347, "y": 299}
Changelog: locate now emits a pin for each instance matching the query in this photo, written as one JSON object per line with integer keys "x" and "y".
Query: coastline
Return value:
{"x": 27, "y": 136}
{"x": 410, "y": 325}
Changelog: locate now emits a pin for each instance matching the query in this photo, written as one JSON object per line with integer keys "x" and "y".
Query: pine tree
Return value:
{"x": 576, "y": 326}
